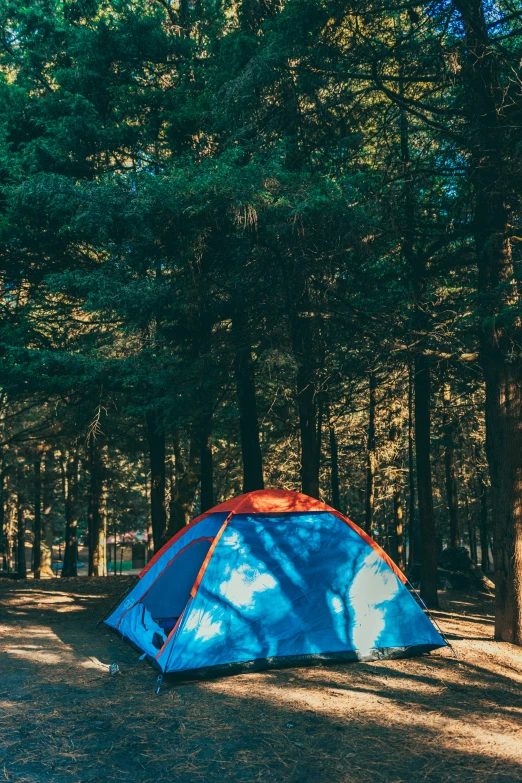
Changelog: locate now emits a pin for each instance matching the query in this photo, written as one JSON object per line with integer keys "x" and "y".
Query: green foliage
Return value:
{"x": 158, "y": 161}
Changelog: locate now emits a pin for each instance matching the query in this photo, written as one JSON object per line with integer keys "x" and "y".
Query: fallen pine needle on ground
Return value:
{"x": 65, "y": 719}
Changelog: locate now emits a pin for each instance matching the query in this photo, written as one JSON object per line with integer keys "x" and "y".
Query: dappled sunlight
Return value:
{"x": 364, "y": 704}
{"x": 52, "y": 600}
{"x": 93, "y": 663}
{"x": 286, "y": 588}
{"x": 486, "y": 619}
{"x": 23, "y": 632}
{"x": 431, "y": 718}
{"x": 304, "y": 538}
{"x": 244, "y": 582}
{"x": 205, "y": 627}
{"x": 33, "y": 653}
{"x": 39, "y": 645}
{"x": 371, "y": 587}
{"x": 246, "y": 578}
{"x": 472, "y": 605}
{"x": 339, "y": 619}
{"x": 285, "y": 563}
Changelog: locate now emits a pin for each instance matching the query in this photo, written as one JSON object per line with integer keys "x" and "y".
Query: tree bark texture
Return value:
{"x": 185, "y": 484}
{"x": 397, "y": 548}
{"x": 206, "y": 462}
{"x": 428, "y": 554}
{"x": 334, "y": 464}
{"x": 21, "y": 568}
{"x": 97, "y": 509}
{"x": 413, "y": 522}
{"x": 37, "y": 523}
{"x": 206, "y": 411}
{"x": 449, "y": 468}
{"x": 158, "y": 511}
{"x": 3, "y": 515}
{"x": 305, "y": 380}
{"x": 70, "y": 557}
{"x": 46, "y": 544}
{"x": 501, "y": 327}
{"x": 371, "y": 458}
{"x": 247, "y": 403}
{"x": 471, "y": 532}
{"x": 484, "y": 528}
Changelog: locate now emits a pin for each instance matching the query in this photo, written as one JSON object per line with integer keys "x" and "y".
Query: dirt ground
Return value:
{"x": 64, "y": 719}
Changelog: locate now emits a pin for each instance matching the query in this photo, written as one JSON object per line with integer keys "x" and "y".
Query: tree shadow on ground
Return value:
{"x": 66, "y": 720}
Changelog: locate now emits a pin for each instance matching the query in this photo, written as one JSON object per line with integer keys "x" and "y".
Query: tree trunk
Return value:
{"x": 114, "y": 546}
{"x": 371, "y": 457}
{"x": 398, "y": 514}
{"x": 428, "y": 554}
{"x": 3, "y": 517}
{"x": 422, "y": 416}
{"x": 504, "y": 448}
{"x": 334, "y": 465}
{"x": 425, "y": 547}
{"x": 10, "y": 523}
{"x": 492, "y": 146}
{"x": 397, "y": 547}
{"x": 206, "y": 411}
{"x": 21, "y": 567}
{"x": 307, "y": 425}
{"x": 184, "y": 486}
{"x": 46, "y": 549}
{"x": 102, "y": 531}
{"x": 413, "y": 526}
{"x": 319, "y": 436}
{"x": 302, "y": 345}
{"x": 484, "y": 532}
{"x": 13, "y": 527}
{"x": 91, "y": 512}
{"x": 97, "y": 509}
{"x": 37, "y": 524}
{"x": 471, "y": 532}
{"x": 305, "y": 381}
{"x": 158, "y": 511}
{"x": 206, "y": 462}
{"x": 150, "y": 540}
{"x": 246, "y": 396}
{"x": 449, "y": 468}
{"x": 70, "y": 557}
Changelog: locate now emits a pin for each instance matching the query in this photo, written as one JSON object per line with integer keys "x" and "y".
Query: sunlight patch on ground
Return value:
{"x": 23, "y": 633}
{"x": 385, "y": 711}
{"x": 484, "y": 619}
{"x": 33, "y": 653}
{"x": 49, "y": 650}
{"x": 94, "y": 663}
{"x": 46, "y": 597}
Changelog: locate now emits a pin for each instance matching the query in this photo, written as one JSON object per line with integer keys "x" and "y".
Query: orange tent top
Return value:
{"x": 277, "y": 501}
{"x": 268, "y": 501}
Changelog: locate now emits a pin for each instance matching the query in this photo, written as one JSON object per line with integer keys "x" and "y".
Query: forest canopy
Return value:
{"x": 263, "y": 243}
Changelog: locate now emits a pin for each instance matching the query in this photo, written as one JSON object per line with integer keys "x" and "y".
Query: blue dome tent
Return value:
{"x": 271, "y": 578}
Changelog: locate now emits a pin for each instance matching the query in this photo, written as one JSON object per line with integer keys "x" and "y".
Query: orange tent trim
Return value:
{"x": 276, "y": 501}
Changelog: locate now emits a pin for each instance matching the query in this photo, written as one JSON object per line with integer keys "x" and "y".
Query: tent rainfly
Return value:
{"x": 267, "y": 579}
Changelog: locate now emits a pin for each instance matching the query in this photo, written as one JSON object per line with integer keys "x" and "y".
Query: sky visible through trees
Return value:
{"x": 263, "y": 243}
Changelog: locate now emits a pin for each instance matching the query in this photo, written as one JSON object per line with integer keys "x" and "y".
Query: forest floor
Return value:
{"x": 66, "y": 720}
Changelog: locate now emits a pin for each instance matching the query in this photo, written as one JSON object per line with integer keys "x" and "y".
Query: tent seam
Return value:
{"x": 199, "y": 577}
